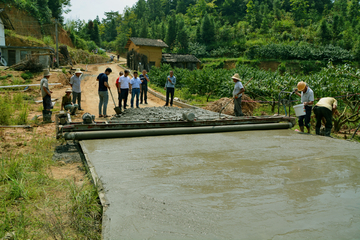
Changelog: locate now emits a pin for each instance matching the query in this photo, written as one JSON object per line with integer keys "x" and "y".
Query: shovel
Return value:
{"x": 117, "y": 109}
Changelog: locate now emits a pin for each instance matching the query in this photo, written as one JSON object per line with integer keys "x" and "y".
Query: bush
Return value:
{"x": 27, "y": 75}
{"x": 48, "y": 40}
{"x": 5, "y": 110}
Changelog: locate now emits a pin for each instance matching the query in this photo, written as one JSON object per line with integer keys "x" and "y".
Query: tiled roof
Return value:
{"x": 146, "y": 42}
{"x": 170, "y": 57}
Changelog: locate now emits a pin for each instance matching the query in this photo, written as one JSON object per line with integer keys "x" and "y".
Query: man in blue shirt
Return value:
{"x": 170, "y": 88}
{"x": 135, "y": 86}
{"x": 144, "y": 86}
{"x": 103, "y": 91}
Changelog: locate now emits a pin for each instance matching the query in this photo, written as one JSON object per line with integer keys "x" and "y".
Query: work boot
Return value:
{"x": 327, "y": 132}
{"x": 317, "y": 130}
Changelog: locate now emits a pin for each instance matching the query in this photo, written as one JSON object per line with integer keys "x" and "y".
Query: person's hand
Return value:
{"x": 236, "y": 97}
{"x": 305, "y": 103}
{"x": 164, "y": 88}
{"x": 296, "y": 90}
{"x": 72, "y": 103}
{"x": 51, "y": 92}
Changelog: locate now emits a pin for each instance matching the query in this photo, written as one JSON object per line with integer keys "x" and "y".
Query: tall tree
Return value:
{"x": 96, "y": 34}
{"x": 207, "y": 30}
{"x": 171, "y": 32}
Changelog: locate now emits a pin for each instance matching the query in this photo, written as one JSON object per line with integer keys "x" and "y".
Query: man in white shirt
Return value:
{"x": 325, "y": 109}
{"x": 75, "y": 82}
{"x": 307, "y": 98}
{"x": 125, "y": 86}
{"x": 135, "y": 89}
{"x": 237, "y": 94}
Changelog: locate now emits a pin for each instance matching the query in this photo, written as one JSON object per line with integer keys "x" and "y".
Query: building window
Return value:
{"x": 23, "y": 55}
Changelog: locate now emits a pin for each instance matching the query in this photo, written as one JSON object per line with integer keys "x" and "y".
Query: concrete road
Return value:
{"x": 241, "y": 185}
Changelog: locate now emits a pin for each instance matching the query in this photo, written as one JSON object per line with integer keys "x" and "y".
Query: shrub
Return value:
{"x": 27, "y": 75}
{"x": 32, "y": 65}
{"x": 48, "y": 40}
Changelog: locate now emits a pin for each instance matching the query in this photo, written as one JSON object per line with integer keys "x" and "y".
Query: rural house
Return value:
{"x": 152, "y": 48}
{"x": 181, "y": 61}
{"x": 12, "y": 54}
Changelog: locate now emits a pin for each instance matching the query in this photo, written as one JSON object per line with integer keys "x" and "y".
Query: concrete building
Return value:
{"x": 152, "y": 48}
{"x": 11, "y": 55}
{"x": 181, "y": 61}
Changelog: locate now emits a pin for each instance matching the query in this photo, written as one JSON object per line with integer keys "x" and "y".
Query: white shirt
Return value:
{"x": 124, "y": 82}
{"x": 135, "y": 82}
{"x": 76, "y": 82}
{"x": 238, "y": 86}
{"x": 308, "y": 96}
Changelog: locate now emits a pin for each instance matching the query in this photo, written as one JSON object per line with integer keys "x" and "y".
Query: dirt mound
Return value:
{"x": 247, "y": 107}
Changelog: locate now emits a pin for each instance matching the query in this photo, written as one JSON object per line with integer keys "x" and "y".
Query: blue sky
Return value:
{"x": 89, "y": 9}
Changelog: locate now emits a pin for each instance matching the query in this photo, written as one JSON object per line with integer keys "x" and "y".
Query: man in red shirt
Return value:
{"x": 117, "y": 84}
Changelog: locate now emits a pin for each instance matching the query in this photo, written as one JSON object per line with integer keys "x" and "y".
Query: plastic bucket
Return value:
{"x": 299, "y": 110}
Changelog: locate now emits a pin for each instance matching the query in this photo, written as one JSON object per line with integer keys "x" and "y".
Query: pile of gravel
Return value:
{"x": 163, "y": 114}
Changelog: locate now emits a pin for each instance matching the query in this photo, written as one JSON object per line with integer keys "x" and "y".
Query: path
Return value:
{"x": 89, "y": 88}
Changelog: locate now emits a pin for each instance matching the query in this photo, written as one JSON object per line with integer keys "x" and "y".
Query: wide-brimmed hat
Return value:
{"x": 236, "y": 76}
{"x": 78, "y": 70}
{"x": 301, "y": 86}
{"x": 46, "y": 73}
{"x": 68, "y": 90}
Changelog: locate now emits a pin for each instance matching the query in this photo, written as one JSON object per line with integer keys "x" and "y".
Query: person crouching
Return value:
{"x": 67, "y": 104}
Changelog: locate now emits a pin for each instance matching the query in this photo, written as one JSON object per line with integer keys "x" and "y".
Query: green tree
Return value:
{"x": 324, "y": 31}
{"x": 182, "y": 37}
{"x": 171, "y": 32}
{"x": 96, "y": 34}
{"x": 144, "y": 30}
{"x": 207, "y": 30}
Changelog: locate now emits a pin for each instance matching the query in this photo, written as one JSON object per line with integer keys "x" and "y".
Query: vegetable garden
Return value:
{"x": 342, "y": 82}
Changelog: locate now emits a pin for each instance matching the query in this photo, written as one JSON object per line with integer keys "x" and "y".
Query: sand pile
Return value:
{"x": 247, "y": 107}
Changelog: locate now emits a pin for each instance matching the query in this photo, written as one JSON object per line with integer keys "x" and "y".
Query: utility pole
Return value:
{"x": 57, "y": 42}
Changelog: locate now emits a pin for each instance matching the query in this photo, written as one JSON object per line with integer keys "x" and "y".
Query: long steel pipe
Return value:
{"x": 171, "y": 131}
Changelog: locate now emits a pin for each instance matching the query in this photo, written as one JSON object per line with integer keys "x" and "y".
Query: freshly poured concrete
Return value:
{"x": 240, "y": 185}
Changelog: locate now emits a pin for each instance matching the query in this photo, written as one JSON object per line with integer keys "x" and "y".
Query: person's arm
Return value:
{"x": 174, "y": 80}
{"x": 71, "y": 81}
{"x": 147, "y": 78}
{"x": 334, "y": 106}
{"x": 106, "y": 84}
{"x": 97, "y": 79}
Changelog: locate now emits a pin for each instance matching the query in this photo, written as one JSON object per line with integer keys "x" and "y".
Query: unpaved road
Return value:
{"x": 89, "y": 90}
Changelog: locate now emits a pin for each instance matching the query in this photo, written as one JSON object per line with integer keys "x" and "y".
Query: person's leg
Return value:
{"x": 106, "y": 100}
{"x": 119, "y": 98}
{"x": 318, "y": 117}
{"x": 101, "y": 102}
{"x": 137, "y": 93}
{"x": 132, "y": 97}
{"x": 141, "y": 94}
{"x": 328, "y": 125}
{"x": 73, "y": 97}
{"x": 172, "y": 91}
{"x": 145, "y": 93}
{"x": 301, "y": 123}
{"x": 167, "y": 97}
{"x": 79, "y": 100}
{"x": 237, "y": 107}
{"x": 124, "y": 95}
{"x": 308, "y": 117}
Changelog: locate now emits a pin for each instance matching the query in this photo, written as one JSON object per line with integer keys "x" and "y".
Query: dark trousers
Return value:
{"x": 77, "y": 96}
{"x": 124, "y": 96}
{"x": 169, "y": 91}
{"x": 305, "y": 117}
{"x": 323, "y": 112}
{"x": 119, "y": 97}
{"x": 47, "y": 104}
{"x": 143, "y": 93}
{"x": 237, "y": 107}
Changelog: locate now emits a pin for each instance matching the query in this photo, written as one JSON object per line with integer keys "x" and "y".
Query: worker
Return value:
{"x": 125, "y": 87}
{"x": 117, "y": 84}
{"x": 325, "y": 109}
{"x": 46, "y": 95}
{"x": 237, "y": 94}
{"x": 135, "y": 89}
{"x": 103, "y": 91}
{"x": 75, "y": 82}
{"x": 170, "y": 88}
{"x": 67, "y": 104}
{"x": 307, "y": 98}
{"x": 144, "y": 86}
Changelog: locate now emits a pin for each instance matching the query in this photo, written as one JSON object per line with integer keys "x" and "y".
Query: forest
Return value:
{"x": 262, "y": 29}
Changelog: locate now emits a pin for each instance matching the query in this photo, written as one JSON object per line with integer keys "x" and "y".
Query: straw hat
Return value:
{"x": 236, "y": 76}
{"x": 78, "y": 70}
{"x": 46, "y": 73}
{"x": 301, "y": 86}
{"x": 68, "y": 90}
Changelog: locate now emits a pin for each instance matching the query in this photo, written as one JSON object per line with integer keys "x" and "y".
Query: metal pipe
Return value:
{"x": 172, "y": 131}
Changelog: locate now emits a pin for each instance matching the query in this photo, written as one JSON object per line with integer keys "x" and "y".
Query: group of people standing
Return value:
{"x": 136, "y": 85}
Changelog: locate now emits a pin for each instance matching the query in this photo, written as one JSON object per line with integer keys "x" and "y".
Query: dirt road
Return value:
{"x": 89, "y": 89}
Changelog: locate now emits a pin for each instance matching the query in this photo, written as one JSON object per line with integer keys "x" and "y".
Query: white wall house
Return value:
{"x": 14, "y": 54}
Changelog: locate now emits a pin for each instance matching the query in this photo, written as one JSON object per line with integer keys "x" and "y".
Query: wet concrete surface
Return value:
{"x": 240, "y": 185}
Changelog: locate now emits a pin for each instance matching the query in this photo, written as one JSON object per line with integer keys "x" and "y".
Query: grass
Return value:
{"x": 14, "y": 109}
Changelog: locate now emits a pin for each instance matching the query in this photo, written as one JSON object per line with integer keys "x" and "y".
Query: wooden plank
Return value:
{"x": 15, "y": 126}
